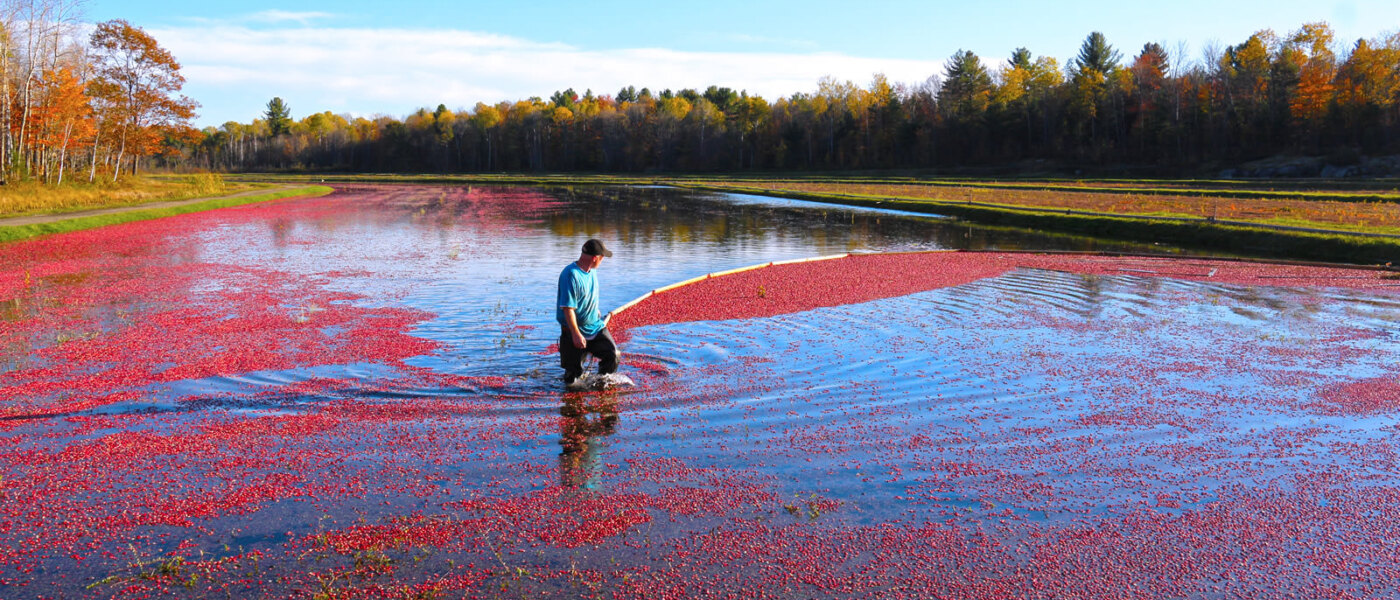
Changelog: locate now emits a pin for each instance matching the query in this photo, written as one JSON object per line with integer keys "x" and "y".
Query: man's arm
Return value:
{"x": 571, "y": 323}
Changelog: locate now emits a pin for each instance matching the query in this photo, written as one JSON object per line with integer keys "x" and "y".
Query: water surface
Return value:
{"x": 354, "y": 395}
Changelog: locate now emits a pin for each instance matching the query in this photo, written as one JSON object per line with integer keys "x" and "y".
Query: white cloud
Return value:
{"x": 234, "y": 69}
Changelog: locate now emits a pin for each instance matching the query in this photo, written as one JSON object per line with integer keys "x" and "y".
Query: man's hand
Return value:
{"x": 571, "y": 322}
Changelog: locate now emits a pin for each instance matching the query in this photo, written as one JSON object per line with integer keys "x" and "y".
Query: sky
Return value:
{"x": 367, "y": 58}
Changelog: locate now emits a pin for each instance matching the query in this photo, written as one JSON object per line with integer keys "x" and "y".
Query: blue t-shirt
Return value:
{"x": 578, "y": 289}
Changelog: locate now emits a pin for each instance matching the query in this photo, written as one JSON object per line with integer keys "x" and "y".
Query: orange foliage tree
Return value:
{"x": 1366, "y": 83}
{"x": 61, "y": 121}
{"x": 136, "y": 82}
{"x": 1312, "y": 46}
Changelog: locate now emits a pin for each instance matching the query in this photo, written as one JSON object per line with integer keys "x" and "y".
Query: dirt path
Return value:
{"x": 53, "y": 218}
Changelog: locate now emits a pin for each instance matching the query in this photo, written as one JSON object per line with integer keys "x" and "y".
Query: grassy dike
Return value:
{"x": 19, "y": 232}
{"x": 1334, "y": 191}
{"x": 35, "y": 198}
{"x": 433, "y": 179}
{"x": 1196, "y": 189}
{"x": 1191, "y": 233}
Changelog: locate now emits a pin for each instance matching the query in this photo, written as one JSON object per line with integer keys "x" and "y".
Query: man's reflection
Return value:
{"x": 281, "y": 231}
{"x": 587, "y": 419}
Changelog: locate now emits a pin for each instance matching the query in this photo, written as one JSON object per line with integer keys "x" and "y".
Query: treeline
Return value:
{"x": 89, "y": 105}
{"x": 1266, "y": 95}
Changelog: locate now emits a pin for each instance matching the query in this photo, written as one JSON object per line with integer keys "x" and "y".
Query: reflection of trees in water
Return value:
{"x": 640, "y": 215}
{"x": 586, "y": 421}
{"x": 671, "y": 216}
{"x": 678, "y": 216}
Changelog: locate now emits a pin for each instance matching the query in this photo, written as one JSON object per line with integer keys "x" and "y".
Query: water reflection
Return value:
{"x": 707, "y": 219}
{"x": 586, "y": 420}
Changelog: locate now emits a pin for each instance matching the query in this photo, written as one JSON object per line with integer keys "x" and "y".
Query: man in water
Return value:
{"x": 583, "y": 330}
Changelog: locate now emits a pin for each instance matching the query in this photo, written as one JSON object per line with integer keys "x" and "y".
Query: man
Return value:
{"x": 583, "y": 330}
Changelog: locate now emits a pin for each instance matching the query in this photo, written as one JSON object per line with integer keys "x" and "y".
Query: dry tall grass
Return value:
{"x": 32, "y": 197}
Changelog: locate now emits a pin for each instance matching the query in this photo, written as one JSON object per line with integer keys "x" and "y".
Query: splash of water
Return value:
{"x": 592, "y": 382}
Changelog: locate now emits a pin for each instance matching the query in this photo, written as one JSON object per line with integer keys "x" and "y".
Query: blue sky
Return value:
{"x": 365, "y": 58}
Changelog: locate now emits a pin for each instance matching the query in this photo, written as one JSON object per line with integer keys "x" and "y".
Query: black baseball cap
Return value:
{"x": 595, "y": 247}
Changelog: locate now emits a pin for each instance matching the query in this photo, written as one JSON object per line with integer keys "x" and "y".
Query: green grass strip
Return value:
{"x": 20, "y": 232}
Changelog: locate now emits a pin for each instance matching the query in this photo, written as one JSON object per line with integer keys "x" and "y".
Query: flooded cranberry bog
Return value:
{"x": 354, "y": 396}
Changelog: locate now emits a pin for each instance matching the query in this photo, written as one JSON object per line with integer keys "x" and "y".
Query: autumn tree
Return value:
{"x": 671, "y": 110}
{"x": 137, "y": 81}
{"x": 1151, "y": 66}
{"x": 834, "y": 104}
{"x": 1149, "y": 72}
{"x": 486, "y": 118}
{"x": 1023, "y": 89}
{"x": 62, "y": 119}
{"x": 750, "y": 114}
{"x": 1367, "y": 81}
{"x": 1247, "y": 75}
{"x": 35, "y": 41}
{"x": 1094, "y": 99}
{"x": 1311, "y": 49}
{"x": 443, "y": 130}
{"x": 878, "y": 105}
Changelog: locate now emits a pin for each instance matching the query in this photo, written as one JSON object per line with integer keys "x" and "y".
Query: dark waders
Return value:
{"x": 601, "y": 346}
